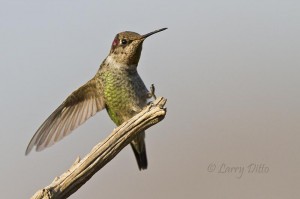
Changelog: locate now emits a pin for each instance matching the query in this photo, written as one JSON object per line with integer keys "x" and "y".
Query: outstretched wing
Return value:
{"x": 75, "y": 110}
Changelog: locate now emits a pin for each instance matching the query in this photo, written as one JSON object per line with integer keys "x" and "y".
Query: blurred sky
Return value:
{"x": 230, "y": 72}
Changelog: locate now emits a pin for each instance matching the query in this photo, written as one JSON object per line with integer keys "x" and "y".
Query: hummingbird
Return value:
{"x": 116, "y": 87}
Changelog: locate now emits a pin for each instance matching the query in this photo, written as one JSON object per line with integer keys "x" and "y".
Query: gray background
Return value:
{"x": 230, "y": 71}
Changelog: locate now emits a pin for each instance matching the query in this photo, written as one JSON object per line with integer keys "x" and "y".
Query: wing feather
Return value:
{"x": 74, "y": 111}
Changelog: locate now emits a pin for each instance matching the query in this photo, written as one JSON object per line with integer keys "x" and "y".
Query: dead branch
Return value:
{"x": 82, "y": 170}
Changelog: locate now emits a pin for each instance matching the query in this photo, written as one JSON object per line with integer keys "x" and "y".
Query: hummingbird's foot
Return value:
{"x": 152, "y": 92}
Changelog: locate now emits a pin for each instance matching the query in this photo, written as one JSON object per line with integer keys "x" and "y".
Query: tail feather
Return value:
{"x": 139, "y": 148}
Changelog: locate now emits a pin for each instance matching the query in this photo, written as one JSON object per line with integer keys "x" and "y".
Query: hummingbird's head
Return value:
{"x": 127, "y": 47}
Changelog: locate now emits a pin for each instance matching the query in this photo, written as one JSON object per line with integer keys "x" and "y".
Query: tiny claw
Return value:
{"x": 152, "y": 91}
{"x": 150, "y": 103}
{"x": 150, "y": 106}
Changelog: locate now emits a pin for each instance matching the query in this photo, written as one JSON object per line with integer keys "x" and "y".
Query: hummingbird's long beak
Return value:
{"x": 151, "y": 33}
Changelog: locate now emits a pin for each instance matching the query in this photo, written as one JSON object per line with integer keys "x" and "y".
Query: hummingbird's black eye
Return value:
{"x": 124, "y": 41}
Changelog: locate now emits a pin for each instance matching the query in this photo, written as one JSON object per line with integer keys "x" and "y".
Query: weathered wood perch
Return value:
{"x": 82, "y": 170}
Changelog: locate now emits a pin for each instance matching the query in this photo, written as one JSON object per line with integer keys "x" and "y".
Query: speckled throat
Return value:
{"x": 125, "y": 93}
